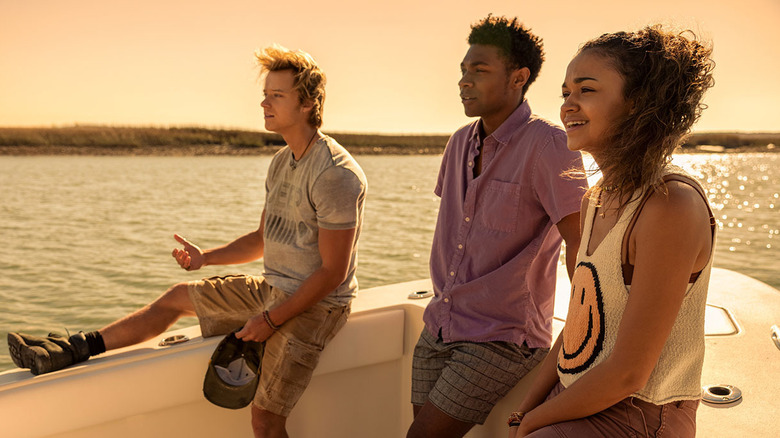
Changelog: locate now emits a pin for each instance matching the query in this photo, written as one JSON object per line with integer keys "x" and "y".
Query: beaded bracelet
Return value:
{"x": 268, "y": 321}
{"x": 515, "y": 418}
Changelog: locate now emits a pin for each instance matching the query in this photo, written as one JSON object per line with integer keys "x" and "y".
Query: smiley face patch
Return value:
{"x": 583, "y": 335}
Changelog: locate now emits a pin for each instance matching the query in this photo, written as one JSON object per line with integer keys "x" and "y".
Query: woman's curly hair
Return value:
{"x": 666, "y": 74}
{"x": 309, "y": 79}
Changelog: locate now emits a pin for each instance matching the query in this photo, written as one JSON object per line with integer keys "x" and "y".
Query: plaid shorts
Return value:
{"x": 224, "y": 304}
{"x": 466, "y": 379}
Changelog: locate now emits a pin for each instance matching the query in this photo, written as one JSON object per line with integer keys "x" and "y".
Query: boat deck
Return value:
{"x": 362, "y": 384}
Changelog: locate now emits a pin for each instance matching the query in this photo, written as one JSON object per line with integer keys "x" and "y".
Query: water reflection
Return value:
{"x": 88, "y": 239}
{"x": 743, "y": 190}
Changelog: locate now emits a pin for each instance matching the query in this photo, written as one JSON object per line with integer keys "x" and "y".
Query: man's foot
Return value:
{"x": 44, "y": 355}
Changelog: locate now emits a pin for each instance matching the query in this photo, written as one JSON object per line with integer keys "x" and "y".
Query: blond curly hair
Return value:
{"x": 309, "y": 79}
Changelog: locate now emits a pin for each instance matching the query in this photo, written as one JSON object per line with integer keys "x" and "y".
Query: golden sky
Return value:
{"x": 391, "y": 66}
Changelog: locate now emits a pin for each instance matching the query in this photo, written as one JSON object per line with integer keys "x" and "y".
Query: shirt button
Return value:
{"x": 452, "y": 273}
{"x": 460, "y": 246}
{"x": 471, "y": 163}
{"x": 446, "y": 300}
{"x": 467, "y": 219}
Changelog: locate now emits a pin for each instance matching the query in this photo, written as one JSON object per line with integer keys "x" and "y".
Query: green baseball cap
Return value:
{"x": 233, "y": 373}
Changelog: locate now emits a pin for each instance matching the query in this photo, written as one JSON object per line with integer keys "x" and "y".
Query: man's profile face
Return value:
{"x": 484, "y": 84}
{"x": 281, "y": 106}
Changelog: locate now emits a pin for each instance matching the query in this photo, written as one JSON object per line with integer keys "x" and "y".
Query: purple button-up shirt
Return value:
{"x": 495, "y": 247}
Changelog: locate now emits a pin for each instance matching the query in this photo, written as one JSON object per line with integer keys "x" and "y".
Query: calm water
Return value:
{"x": 88, "y": 239}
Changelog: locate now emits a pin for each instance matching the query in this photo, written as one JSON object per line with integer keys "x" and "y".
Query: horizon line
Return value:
{"x": 234, "y": 128}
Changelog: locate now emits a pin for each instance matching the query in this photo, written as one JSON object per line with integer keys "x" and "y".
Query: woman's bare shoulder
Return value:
{"x": 676, "y": 210}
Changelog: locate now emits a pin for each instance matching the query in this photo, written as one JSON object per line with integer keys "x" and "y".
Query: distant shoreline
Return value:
{"x": 196, "y": 150}
{"x": 194, "y": 141}
{"x": 211, "y": 150}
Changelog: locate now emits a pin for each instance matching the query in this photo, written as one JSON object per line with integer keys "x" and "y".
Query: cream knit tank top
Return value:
{"x": 598, "y": 299}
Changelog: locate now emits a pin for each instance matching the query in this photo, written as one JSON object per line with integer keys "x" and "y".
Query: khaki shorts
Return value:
{"x": 224, "y": 304}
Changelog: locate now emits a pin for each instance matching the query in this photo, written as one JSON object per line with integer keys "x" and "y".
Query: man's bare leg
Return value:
{"x": 267, "y": 424}
{"x": 55, "y": 352}
{"x": 149, "y": 321}
{"x": 430, "y": 422}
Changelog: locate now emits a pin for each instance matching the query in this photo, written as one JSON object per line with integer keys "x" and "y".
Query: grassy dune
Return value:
{"x": 108, "y": 140}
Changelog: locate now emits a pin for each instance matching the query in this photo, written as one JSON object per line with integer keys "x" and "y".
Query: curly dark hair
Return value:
{"x": 666, "y": 74}
{"x": 520, "y": 47}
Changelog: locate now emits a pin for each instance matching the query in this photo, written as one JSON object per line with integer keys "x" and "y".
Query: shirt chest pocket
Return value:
{"x": 498, "y": 207}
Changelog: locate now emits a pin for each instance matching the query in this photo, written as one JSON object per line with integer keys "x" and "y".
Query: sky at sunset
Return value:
{"x": 392, "y": 66}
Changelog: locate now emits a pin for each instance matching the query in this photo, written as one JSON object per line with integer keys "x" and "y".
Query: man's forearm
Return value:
{"x": 245, "y": 249}
{"x": 321, "y": 283}
{"x": 569, "y": 228}
{"x": 335, "y": 248}
{"x": 571, "y": 260}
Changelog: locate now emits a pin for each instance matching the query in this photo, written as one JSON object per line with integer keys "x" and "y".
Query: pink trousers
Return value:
{"x": 630, "y": 417}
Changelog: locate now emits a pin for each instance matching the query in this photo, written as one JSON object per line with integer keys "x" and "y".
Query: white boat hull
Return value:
{"x": 361, "y": 387}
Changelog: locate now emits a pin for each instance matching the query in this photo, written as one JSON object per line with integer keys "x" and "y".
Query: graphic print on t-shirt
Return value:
{"x": 279, "y": 226}
{"x": 279, "y": 229}
{"x": 583, "y": 335}
{"x": 289, "y": 195}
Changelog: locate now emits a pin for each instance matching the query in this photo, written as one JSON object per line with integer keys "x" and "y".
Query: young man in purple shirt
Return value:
{"x": 505, "y": 208}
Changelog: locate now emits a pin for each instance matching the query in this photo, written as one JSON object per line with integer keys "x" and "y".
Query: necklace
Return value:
{"x": 293, "y": 162}
{"x": 601, "y": 205}
{"x": 608, "y": 189}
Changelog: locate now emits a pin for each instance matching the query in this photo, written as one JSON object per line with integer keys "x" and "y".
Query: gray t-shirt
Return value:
{"x": 326, "y": 189}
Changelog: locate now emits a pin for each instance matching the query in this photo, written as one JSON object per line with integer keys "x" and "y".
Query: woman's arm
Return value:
{"x": 547, "y": 378}
{"x": 543, "y": 383}
{"x": 672, "y": 236}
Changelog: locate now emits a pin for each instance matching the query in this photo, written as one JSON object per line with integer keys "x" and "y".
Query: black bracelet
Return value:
{"x": 268, "y": 321}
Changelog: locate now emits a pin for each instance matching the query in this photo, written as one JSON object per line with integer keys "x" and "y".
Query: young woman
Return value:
{"x": 628, "y": 362}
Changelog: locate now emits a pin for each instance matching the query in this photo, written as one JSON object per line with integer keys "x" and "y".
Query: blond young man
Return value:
{"x": 307, "y": 236}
